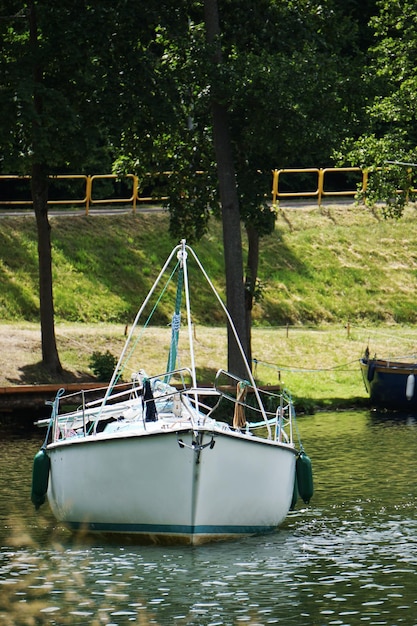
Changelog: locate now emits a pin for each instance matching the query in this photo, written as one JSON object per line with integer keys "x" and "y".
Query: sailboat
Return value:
{"x": 163, "y": 459}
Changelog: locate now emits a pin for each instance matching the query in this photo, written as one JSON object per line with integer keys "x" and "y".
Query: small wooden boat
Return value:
{"x": 162, "y": 458}
{"x": 391, "y": 383}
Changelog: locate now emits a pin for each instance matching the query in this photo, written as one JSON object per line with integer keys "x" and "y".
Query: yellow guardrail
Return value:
{"x": 87, "y": 193}
{"x": 135, "y": 189}
{"x": 132, "y": 199}
{"x": 23, "y": 202}
{"x": 319, "y": 190}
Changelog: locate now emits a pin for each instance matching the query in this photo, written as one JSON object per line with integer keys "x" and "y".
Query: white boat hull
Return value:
{"x": 159, "y": 489}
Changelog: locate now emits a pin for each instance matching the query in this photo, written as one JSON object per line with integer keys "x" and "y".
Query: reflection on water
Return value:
{"x": 349, "y": 558}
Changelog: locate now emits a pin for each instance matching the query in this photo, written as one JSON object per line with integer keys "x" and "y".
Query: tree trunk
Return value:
{"x": 39, "y": 188}
{"x": 232, "y": 239}
{"x": 50, "y": 356}
{"x": 251, "y": 280}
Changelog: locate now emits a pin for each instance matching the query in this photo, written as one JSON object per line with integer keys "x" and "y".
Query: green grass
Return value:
{"x": 318, "y": 267}
{"x": 321, "y": 269}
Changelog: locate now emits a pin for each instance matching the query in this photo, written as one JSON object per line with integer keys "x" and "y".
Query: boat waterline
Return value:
{"x": 145, "y": 534}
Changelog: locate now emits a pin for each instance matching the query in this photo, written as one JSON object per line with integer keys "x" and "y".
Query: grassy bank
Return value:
{"x": 318, "y": 365}
{"x": 333, "y": 281}
{"x": 318, "y": 267}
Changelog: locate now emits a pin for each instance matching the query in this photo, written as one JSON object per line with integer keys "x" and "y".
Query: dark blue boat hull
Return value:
{"x": 386, "y": 382}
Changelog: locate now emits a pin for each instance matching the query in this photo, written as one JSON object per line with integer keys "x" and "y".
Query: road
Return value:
{"x": 286, "y": 203}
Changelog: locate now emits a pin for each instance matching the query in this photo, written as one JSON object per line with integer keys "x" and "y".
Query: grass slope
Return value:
{"x": 318, "y": 267}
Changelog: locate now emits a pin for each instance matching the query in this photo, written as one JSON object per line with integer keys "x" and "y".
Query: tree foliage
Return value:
{"x": 388, "y": 148}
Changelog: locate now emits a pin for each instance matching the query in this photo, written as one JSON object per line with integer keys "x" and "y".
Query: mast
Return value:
{"x": 182, "y": 257}
{"x": 176, "y": 321}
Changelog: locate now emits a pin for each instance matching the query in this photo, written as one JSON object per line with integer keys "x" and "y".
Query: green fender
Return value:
{"x": 40, "y": 477}
{"x": 304, "y": 474}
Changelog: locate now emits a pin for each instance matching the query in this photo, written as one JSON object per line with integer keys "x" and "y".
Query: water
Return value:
{"x": 350, "y": 558}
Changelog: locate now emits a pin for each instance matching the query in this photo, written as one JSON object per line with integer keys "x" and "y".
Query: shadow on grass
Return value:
{"x": 37, "y": 374}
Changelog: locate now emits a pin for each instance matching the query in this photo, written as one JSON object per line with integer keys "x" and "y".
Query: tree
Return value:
{"x": 24, "y": 103}
{"x": 292, "y": 69}
{"x": 279, "y": 80}
{"x": 391, "y": 135}
{"x": 39, "y": 187}
{"x": 58, "y": 106}
{"x": 289, "y": 81}
{"x": 229, "y": 199}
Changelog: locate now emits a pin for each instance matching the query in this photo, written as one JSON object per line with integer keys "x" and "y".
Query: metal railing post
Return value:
{"x": 274, "y": 187}
{"x": 320, "y": 185}
{"x": 135, "y": 192}
{"x": 88, "y": 194}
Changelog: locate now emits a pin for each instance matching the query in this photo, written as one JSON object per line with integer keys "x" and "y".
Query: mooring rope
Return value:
{"x": 305, "y": 369}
